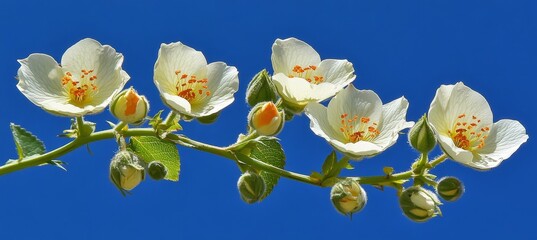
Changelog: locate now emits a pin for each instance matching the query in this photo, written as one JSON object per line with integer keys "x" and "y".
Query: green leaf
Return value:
{"x": 156, "y": 120}
{"x": 27, "y": 144}
{"x": 329, "y": 163}
{"x": 151, "y": 149}
{"x": 160, "y": 126}
{"x": 268, "y": 151}
{"x": 316, "y": 175}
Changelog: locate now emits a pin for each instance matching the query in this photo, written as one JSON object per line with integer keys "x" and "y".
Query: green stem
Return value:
{"x": 170, "y": 118}
{"x": 80, "y": 125}
{"x": 437, "y": 161}
{"x": 386, "y": 180}
{"x": 120, "y": 126}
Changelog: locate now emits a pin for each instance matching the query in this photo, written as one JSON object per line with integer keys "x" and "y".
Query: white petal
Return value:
{"x": 353, "y": 102}
{"x": 357, "y": 150}
{"x": 320, "y": 124}
{"x": 176, "y": 103}
{"x": 458, "y": 154}
{"x": 291, "y": 52}
{"x": 223, "y": 83}
{"x": 177, "y": 57}
{"x": 338, "y": 72}
{"x": 504, "y": 139}
{"x": 393, "y": 121}
{"x": 451, "y": 101}
{"x": 39, "y": 77}
{"x": 110, "y": 77}
{"x": 295, "y": 90}
{"x": 39, "y": 80}
{"x": 85, "y": 54}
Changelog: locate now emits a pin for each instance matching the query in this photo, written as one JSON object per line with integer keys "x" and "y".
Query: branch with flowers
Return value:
{"x": 355, "y": 122}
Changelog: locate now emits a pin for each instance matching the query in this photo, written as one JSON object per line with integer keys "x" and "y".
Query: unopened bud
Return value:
{"x": 421, "y": 136}
{"x": 126, "y": 171}
{"x": 348, "y": 196}
{"x": 157, "y": 170}
{"x": 266, "y": 119}
{"x": 251, "y": 187}
{"x": 419, "y": 204}
{"x": 450, "y": 188}
{"x": 129, "y": 107}
{"x": 260, "y": 89}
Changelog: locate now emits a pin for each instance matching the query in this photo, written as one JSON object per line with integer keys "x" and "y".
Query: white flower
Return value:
{"x": 89, "y": 76}
{"x": 357, "y": 124}
{"x": 462, "y": 120}
{"x": 191, "y": 87}
{"x": 301, "y": 77}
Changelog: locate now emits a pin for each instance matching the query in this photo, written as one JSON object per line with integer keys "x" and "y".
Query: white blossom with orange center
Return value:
{"x": 189, "y": 85}
{"x": 301, "y": 77}
{"x": 357, "y": 124}
{"x": 462, "y": 120}
{"x": 89, "y": 76}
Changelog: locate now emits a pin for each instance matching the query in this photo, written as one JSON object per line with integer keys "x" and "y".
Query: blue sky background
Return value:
{"x": 398, "y": 48}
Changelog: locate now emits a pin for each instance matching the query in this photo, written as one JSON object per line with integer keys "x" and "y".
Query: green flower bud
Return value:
{"x": 421, "y": 136}
{"x": 126, "y": 171}
{"x": 348, "y": 196}
{"x": 419, "y": 204}
{"x": 260, "y": 89}
{"x": 450, "y": 188}
{"x": 266, "y": 119}
{"x": 251, "y": 187}
{"x": 157, "y": 170}
{"x": 130, "y": 107}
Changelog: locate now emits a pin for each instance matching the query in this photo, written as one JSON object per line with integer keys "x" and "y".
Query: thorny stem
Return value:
{"x": 391, "y": 180}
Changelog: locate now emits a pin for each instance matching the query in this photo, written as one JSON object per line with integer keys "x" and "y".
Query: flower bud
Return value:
{"x": 129, "y": 107}
{"x": 126, "y": 171}
{"x": 266, "y": 119}
{"x": 251, "y": 187}
{"x": 419, "y": 204}
{"x": 260, "y": 89}
{"x": 157, "y": 170}
{"x": 348, "y": 196}
{"x": 450, "y": 188}
{"x": 421, "y": 136}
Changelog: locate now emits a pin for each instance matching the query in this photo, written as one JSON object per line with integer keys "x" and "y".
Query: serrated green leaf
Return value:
{"x": 151, "y": 148}
{"x": 268, "y": 151}
{"x": 329, "y": 163}
{"x": 27, "y": 144}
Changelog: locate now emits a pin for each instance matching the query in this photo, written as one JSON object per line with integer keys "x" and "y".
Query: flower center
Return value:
{"x": 467, "y": 134}
{"x": 191, "y": 88}
{"x": 81, "y": 87}
{"x": 358, "y": 129}
{"x": 307, "y": 73}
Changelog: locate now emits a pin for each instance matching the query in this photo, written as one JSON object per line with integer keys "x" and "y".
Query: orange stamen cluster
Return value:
{"x": 358, "y": 129}
{"x": 467, "y": 134}
{"x": 191, "y": 88}
{"x": 307, "y": 73}
{"x": 79, "y": 88}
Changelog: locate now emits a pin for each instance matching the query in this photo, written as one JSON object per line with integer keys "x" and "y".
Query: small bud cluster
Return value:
{"x": 130, "y": 107}
{"x": 348, "y": 196}
{"x": 266, "y": 119}
{"x": 419, "y": 204}
{"x": 126, "y": 171}
{"x": 251, "y": 187}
